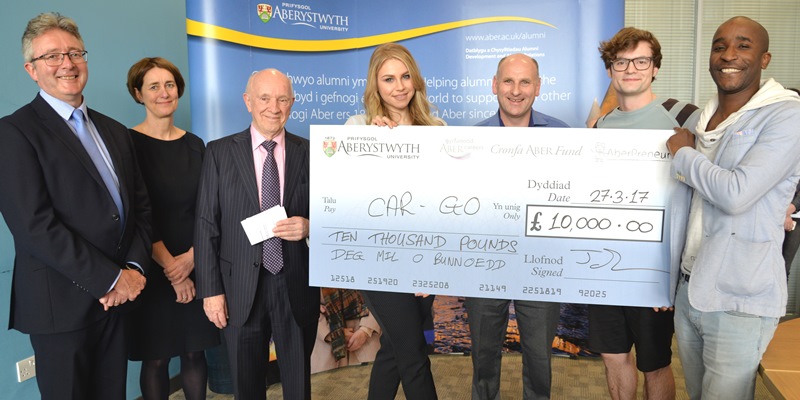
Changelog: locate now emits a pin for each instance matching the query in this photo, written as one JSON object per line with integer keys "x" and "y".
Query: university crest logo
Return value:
{"x": 329, "y": 147}
{"x": 264, "y": 12}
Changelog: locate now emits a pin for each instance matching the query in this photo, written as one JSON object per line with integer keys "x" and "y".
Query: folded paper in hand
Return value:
{"x": 259, "y": 227}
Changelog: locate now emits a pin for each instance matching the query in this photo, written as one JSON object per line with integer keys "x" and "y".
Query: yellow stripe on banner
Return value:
{"x": 201, "y": 29}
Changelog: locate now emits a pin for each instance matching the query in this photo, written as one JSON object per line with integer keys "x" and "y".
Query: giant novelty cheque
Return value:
{"x": 549, "y": 214}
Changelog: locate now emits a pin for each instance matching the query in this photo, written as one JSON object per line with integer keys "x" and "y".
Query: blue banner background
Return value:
{"x": 228, "y": 41}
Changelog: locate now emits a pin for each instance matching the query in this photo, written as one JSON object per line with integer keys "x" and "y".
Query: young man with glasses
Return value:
{"x": 632, "y": 59}
{"x": 76, "y": 205}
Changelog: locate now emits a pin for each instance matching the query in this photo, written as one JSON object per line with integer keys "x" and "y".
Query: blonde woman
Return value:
{"x": 395, "y": 95}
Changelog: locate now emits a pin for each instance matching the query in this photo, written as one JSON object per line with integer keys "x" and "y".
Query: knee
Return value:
{"x": 661, "y": 372}
{"x": 193, "y": 357}
{"x": 156, "y": 364}
{"x": 617, "y": 359}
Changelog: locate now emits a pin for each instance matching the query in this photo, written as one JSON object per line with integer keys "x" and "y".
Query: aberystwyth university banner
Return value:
{"x": 324, "y": 47}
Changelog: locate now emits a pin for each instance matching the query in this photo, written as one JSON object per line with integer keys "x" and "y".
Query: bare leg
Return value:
{"x": 621, "y": 375}
{"x": 659, "y": 384}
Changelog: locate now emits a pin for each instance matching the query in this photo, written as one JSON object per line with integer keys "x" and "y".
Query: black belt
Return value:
{"x": 685, "y": 277}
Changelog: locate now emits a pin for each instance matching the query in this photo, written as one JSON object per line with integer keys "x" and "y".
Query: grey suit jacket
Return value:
{"x": 225, "y": 262}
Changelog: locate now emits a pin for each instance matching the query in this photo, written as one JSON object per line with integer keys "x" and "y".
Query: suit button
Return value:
{"x": 115, "y": 217}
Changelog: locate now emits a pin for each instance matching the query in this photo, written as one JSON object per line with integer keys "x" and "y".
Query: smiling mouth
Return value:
{"x": 730, "y": 70}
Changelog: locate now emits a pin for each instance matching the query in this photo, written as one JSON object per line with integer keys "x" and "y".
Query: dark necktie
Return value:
{"x": 101, "y": 161}
{"x": 272, "y": 256}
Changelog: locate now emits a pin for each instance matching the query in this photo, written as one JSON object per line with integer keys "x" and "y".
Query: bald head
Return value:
{"x": 270, "y": 74}
{"x": 519, "y": 59}
{"x": 759, "y": 33}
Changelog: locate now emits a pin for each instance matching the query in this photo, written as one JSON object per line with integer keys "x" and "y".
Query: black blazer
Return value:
{"x": 68, "y": 237}
{"x": 225, "y": 262}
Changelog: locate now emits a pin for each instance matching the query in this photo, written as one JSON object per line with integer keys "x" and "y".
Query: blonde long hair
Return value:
{"x": 418, "y": 107}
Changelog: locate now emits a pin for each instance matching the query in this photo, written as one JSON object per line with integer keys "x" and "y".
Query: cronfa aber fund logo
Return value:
{"x": 302, "y": 14}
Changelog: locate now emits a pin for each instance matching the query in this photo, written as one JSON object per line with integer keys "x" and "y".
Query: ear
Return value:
{"x": 246, "y": 99}
{"x": 765, "y": 59}
{"x": 608, "y": 71}
{"x": 538, "y": 87}
{"x": 494, "y": 85}
{"x": 31, "y": 70}
{"x": 138, "y": 96}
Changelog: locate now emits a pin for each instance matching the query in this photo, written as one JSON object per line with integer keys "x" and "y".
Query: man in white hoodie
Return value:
{"x": 738, "y": 174}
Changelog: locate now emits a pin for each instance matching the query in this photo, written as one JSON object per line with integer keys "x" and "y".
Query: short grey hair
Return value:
{"x": 43, "y": 23}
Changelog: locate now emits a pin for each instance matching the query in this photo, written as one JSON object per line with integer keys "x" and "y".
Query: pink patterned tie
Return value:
{"x": 272, "y": 256}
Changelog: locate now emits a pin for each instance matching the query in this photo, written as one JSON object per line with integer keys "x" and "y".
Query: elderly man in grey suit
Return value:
{"x": 259, "y": 291}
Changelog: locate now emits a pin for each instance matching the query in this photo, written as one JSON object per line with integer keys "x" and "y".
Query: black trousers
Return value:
{"x": 87, "y": 364}
{"x": 403, "y": 356}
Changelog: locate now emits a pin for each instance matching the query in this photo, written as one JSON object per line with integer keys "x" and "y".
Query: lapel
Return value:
{"x": 245, "y": 166}
{"x": 114, "y": 151}
{"x": 292, "y": 168}
{"x": 64, "y": 135}
{"x": 722, "y": 146}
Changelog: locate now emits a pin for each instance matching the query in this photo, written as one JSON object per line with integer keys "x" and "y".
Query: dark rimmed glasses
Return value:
{"x": 56, "y": 59}
{"x": 640, "y": 63}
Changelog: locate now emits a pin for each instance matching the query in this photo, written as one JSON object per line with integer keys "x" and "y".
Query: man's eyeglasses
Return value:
{"x": 640, "y": 63}
{"x": 56, "y": 59}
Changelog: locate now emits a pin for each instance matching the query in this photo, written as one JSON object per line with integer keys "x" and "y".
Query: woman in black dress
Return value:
{"x": 168, "y": 322}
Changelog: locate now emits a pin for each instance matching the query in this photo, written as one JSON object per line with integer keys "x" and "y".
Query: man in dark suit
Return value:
{"x": 259, "y": 291}
{"x": 77, "y": 208}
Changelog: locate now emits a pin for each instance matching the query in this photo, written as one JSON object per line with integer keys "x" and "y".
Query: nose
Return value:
{"x": 729, "y": 53}
{"x": 66, "y": 62}
{"x": 630, "y": 68}
{"x": 273, "y": 105}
